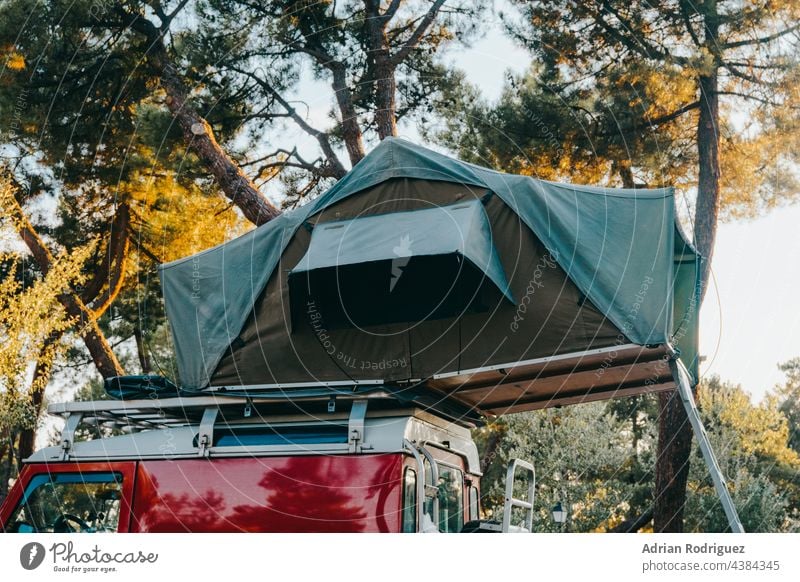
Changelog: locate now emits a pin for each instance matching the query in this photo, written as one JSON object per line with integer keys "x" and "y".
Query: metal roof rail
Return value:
{"x": 245, "y": 402}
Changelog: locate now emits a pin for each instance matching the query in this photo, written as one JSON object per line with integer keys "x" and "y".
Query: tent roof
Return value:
{"x": 622, "y": 248}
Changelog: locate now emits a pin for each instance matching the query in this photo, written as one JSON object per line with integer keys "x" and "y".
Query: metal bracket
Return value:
{"x": 205, "y": 437}
{"x": 355, "y": 426}
{"x": 511, "y": 502}
{"x": 68, "y": 433}
{"x": 681, "y": 376}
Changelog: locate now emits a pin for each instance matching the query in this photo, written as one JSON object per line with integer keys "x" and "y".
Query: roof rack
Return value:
{"x": 143, "y": 414}
{"x": 155, "y": 413}
{"x": 203, "y": 411}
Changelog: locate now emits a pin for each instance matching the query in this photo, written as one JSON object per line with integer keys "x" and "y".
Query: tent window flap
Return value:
{"x": 403, "y": 266}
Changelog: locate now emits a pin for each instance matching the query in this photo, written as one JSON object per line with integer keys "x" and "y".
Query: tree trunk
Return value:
{"x": 623, "y": 168}
{"x": 707, "y": 210}
{"x": 383, "y": 71}
{"x": 197, "y": 133}
{"x": 41, "y": 376}
{"x": 674, "y": 430}
{"x": 6, "y": 463}
{"x": 493, "y": 442}
{"x": 351, "y": 132}
{"x": 107, "y": 280}
{"x": 141, "y": 349}
{"x": 672, "y": 463}
{"x": 386, "y": 89}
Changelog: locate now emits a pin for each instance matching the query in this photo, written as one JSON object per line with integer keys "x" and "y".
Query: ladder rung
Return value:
{"x": 521, "y": 503}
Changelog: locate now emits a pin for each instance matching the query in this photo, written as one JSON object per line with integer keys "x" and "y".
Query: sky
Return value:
{"x": 750, "y": 320}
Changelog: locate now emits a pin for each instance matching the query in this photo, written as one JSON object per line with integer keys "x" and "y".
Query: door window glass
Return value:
{"x": 450, "y": 493}
{"x": 69, "y": 503}
{"x": 409, "y": 501}
{"x": 474, "y": 505}
{"x": 451, "y": 498}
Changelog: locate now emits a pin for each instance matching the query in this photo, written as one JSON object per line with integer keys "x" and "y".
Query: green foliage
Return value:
{"x": 584, "y": 458}
{"x": 90, "y": 127}
{"x": 89, "y": 131}
{"x": 597, "y": 461}
{"x": 589, "y": 134}
{"x": 751, "y": 442}
{"x": 251, "y": 57}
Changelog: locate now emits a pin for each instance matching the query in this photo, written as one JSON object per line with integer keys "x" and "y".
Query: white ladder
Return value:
{"x": 511, "y": 502}
{"x": 685, "y": 391}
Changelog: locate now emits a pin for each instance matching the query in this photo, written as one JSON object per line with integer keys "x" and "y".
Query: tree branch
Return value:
{"x": 197, "y": 133}
{"x": 763, "y": 39}
{"x": 637, "y": 44}
{"x": 655, "y": 121}
{"x": 416, "y": 36}
{"x": 750, "y": 97}
{"x": 175, "y": 12}
{"x": 110, "y": 275}
{"x": 351, "y": 132}
{"x": 391, "y": 10}
{"x": 312, "y": 167}
{"x": 744, "y": 76}
{"x": 687, "y": 21}
{"x": 337, "y": 170}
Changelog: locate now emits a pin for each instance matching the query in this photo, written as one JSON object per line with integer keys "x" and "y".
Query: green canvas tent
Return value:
{"x": 439, "y": 281}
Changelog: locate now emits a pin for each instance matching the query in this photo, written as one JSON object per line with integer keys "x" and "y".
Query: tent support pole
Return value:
{"x": 685, "y": 391}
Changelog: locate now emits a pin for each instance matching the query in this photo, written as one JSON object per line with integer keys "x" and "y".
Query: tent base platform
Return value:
{"x": 599, "y": 374}
{"x": 469, "y": 396}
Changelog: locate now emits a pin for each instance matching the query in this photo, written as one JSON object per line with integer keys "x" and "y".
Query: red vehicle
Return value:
{"x": 226, "y": 464}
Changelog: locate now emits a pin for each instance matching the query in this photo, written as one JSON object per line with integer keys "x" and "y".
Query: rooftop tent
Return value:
{"x": 438, "y": 280}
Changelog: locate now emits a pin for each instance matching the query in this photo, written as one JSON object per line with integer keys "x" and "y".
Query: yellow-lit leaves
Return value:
{"x": 759, "y": 429}
{"x": 176, "y": 220}
{"x": 14, "y": 61}
{"x": 30, "y": 313}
